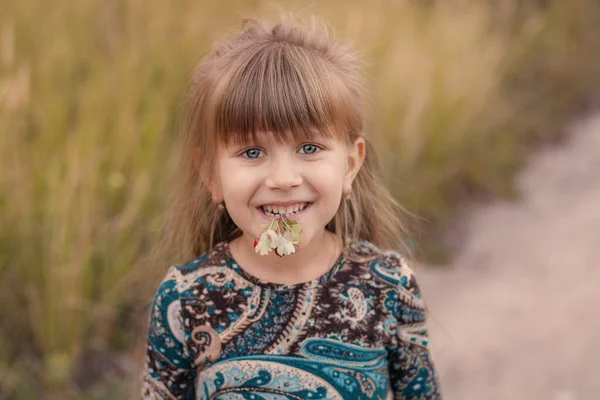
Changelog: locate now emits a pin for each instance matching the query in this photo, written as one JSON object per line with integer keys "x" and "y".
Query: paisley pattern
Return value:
{"x": 357, "y": 332}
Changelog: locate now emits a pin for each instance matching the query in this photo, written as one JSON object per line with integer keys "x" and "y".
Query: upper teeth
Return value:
{"x": 284, "y": 210}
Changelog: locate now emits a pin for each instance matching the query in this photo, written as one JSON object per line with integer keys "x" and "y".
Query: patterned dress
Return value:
{"x": 357, "y": 332}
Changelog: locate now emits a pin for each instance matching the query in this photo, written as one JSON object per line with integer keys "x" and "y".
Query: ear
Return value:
{"x": 211, "y": 182}
{"x": 356, "y": 157}
{"x": 216, "y": 191}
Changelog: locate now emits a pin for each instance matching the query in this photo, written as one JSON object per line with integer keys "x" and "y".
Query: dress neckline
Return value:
{"x": 232, "y": 263}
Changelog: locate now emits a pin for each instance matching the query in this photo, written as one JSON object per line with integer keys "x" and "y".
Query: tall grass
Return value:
{"x": 89, "y": 93}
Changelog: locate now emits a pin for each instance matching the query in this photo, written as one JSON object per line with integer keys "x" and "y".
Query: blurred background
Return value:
{"x": 484, "y": 123}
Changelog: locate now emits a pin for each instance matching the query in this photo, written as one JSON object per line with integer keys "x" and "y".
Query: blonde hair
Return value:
{"x": 276, "y": 79}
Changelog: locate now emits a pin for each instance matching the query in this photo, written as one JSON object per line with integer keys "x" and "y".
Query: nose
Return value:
{"x": 283, "y": 173}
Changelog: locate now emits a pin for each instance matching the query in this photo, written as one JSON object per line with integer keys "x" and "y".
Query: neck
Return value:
{"x": 308, "y": 262}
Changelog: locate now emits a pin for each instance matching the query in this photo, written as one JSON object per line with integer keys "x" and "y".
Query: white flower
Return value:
{"x": 285, "y": 247}
{"x": 263, "y": 246}
{"x": 272, "y": 239}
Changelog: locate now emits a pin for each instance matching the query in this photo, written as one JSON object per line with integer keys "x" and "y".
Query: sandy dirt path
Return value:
{"x": 517, "y": 314}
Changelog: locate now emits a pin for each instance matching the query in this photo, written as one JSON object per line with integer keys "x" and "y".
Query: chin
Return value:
{"x": 307, "y": 239}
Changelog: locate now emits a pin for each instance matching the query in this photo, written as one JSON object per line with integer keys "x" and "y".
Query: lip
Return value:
{"x": 294, "y": 217}
{"x": 284, "y": 203}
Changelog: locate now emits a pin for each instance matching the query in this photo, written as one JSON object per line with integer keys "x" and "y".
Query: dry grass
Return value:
{"x": 89, "y": 93}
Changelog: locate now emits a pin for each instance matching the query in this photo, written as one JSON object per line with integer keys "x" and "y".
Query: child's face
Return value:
{"x": 267, "y": 177}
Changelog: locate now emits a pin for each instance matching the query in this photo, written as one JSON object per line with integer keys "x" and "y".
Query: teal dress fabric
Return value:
{"x": 357, "y": 332}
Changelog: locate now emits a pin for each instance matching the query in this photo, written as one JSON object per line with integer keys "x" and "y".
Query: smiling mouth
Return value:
{"x": 281, "y": 212}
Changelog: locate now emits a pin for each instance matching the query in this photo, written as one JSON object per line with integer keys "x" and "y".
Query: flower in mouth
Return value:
{"x": 280, "y": 235}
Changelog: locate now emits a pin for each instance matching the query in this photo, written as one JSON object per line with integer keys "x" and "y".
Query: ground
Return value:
{"x": 517, "y": 314}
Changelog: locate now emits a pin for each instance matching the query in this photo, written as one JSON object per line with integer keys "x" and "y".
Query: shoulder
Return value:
{"x": 402, "y": 295}
{"x": 390, "y": 267}
{"x": 183, "y": 278}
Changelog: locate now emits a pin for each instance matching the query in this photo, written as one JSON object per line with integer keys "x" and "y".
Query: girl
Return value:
{"x": 275, "y": 150}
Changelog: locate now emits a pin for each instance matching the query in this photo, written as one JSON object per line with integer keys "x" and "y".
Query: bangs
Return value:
{"x": 281, "y": 90}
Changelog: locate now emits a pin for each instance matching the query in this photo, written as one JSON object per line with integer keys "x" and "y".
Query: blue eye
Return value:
{"x": 310, "y": 148}
{"x": 252, "y": 153}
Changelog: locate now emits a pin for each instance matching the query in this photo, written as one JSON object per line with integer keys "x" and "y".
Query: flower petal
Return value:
{"x": 290, "y": 247}
{"x": 289, "y": 236}
{"x": 263, "y": 246}
{"x": 274, "y": 239}
{"x": 286, "y": 247}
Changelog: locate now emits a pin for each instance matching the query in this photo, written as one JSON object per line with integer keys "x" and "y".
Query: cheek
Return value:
{"x": 238, "y": 186}
{"x": 330, "y": 173}
{"x": 235, "y": 180}
{"x": 328, "y": 180}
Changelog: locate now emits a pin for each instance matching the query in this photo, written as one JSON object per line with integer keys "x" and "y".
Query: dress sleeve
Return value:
{"x": 169, "y": 371}
{"x": 412, "y": 371}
